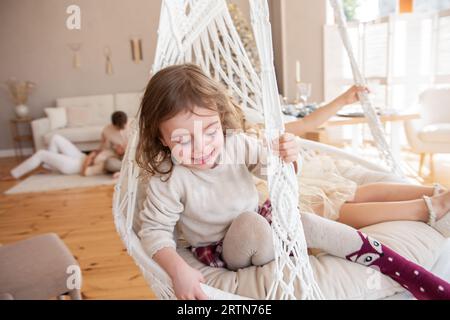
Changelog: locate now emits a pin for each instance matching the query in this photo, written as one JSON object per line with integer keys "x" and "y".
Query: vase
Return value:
{"x": 22, "y": 111}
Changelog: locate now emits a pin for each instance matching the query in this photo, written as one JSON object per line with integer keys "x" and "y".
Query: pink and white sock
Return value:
{"x": 420, "y": 282}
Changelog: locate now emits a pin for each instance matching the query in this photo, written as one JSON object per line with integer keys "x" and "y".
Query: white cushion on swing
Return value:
{"x": 336, "y": 277}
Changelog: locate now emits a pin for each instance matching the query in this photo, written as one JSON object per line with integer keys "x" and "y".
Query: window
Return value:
{"x": 366, "y": 10}
{"x": 431, "y": 5}
{"x": 399, "y": 55}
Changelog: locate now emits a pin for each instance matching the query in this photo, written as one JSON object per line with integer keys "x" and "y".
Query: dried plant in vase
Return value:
{"x": 20, "y": 91}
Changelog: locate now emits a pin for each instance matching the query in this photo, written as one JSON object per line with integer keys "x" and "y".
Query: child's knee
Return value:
{"x": 248, "y": 241}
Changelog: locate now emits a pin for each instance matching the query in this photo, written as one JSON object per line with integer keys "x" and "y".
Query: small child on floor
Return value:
{"x": 202, "y": 181}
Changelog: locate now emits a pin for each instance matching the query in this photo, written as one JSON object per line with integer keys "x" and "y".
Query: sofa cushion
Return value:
{"x": 128, "y": 103}
{"x": 98, "y": 110}
{"x": 106, "y": 101}
{"x": 438, "y": 132}
{"x": 77, "y": 116}
{"x": 89, "y": 115}
{"x": 76, "y": 135}
{"x": 57, "y": 117}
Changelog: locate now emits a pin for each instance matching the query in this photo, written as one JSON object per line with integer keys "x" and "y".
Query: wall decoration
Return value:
{"x": 109, "y": 66}
{"x": 76, "y": 61}
{"x": 136, "y": 49}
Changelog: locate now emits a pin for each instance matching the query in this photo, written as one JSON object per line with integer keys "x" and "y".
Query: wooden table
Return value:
{"x": 20, "y": 139}
{"x": 395, "y": 120}
{"x": 346, "y": 121}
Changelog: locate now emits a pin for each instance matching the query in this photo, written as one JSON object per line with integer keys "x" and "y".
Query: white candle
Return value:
{"x": 297, "y": 71}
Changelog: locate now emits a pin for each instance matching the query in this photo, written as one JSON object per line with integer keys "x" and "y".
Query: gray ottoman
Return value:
{"x": 41, "y": 267}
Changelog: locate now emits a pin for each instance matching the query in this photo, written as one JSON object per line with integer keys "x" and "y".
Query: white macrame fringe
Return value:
{"x": 287, "y": 228}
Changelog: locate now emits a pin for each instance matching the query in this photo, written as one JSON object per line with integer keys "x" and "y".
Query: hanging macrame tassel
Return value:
{"x": 291, "y": 254}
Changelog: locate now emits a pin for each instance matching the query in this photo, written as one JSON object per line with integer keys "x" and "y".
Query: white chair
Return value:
{"x": 431, "y": 134}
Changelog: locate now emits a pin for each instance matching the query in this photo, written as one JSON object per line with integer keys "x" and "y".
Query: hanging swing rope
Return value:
{"x": 373, "y": 120}
{"x": 291, "y": 255}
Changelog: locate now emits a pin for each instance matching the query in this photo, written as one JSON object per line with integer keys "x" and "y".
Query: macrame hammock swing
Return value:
{"x": 202, "y": 32}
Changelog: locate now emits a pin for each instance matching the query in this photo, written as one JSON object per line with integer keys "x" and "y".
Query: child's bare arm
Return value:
{"x": 186, "y": 280}
{"x": 316, "y": 119}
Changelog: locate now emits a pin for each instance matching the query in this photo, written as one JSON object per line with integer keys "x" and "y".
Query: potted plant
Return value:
{"x": 20, "y": 90}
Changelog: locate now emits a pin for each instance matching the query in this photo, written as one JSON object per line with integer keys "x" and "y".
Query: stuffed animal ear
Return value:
{"x": 362, "y": 236}
{"x": 352, "y": 257}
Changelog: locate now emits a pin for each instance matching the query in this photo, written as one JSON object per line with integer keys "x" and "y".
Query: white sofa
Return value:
{"x": 97, "y": 111}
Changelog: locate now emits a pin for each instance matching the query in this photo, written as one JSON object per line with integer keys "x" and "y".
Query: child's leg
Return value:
{"x": 248, "y": 242}
{"x": 359, "y": 215}
{"x": 59, "y": 144}
{"x": 390, "y": 192}
{"x": 343, "y": 241}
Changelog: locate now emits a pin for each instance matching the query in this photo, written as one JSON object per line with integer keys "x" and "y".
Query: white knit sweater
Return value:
{"x": 202, "y": 202}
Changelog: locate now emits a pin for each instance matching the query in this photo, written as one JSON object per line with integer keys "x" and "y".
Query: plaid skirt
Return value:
{"x": 211, "y": 255}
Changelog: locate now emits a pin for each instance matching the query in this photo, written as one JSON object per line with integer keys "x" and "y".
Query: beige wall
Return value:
{"x": 34, "y": 46}
{"x": 302, "y": 39}
{"x": 276, "y": 18}
{"x": 34, "y": 38}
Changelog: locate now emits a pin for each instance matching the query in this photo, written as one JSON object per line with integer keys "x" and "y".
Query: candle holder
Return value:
{"x": 303, "y": 93}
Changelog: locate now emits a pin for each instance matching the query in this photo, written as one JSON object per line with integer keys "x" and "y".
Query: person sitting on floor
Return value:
{"x": 64, "y": 157}
{"x": 115, "y": 139}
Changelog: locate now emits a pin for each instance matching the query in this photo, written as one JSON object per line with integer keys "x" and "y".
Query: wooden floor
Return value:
{"x": 83, "y": 219}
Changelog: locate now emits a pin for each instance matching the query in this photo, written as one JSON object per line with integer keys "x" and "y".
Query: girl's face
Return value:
{"x": 195, "y": 139}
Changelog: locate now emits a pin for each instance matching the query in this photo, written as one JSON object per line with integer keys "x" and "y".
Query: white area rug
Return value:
{"x": 53, "y": 181}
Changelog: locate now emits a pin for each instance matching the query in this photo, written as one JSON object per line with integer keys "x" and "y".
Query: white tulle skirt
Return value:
{"x": 323, "y": 189}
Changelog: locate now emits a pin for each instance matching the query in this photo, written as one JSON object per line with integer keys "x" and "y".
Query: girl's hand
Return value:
{"x": 287, "y": 148}
{"x": 186, "y": 284}
{"x": 351, "y": 95}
